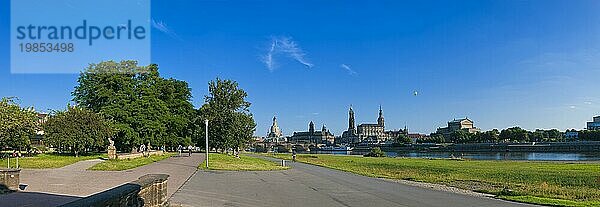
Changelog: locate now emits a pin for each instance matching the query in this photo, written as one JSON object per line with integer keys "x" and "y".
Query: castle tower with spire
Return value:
{"x": 373, "y": 133}
{"x": 350, "y": 135}
{"x": 351, "y": 122}
{"x": 380, "y": 120}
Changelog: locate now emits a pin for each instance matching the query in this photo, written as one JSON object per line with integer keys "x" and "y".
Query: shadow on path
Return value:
{"x": 35, "y": 199}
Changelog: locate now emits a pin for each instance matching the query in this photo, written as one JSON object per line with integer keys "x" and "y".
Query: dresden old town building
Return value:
{"x": 368, "y": 133}
{"x": 313, "y": 137}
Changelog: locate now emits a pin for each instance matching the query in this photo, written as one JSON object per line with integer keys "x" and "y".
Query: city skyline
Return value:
{"x": 592, "y": 119}
{"x": 500, "y": 63}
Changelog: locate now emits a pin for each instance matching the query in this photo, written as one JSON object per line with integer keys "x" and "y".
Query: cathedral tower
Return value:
{"x": 380, "y": 120}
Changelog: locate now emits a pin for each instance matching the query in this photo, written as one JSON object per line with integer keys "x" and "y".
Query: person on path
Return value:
{"x": 179, "y": 148}
{"x": 143, "y": 149}
{"x": 293, "y": 155}
{"x": 189, "y": 150}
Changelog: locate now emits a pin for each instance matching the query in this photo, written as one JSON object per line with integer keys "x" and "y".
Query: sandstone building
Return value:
{"x": 465, "y": 124}
{"x": 275, "y": 134}
{"x": 313, "y": 137}
{"x": 368, "y": 133}
{"x": 595, "y": 124}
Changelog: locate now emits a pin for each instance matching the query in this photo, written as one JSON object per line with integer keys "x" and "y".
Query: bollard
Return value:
{"x": 283, "y": 163}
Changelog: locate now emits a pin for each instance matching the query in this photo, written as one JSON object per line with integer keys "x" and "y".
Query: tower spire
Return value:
{"x": 380, "y": 120}
{"x": 351, "y": 126}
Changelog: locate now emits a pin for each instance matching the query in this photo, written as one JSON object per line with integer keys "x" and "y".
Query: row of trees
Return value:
{"x": 149, "y": 109}
{"x": 589, "y": 135}
{"x": 134, "y": 105}
{"x": 403, "y": 139}
{"x": 513, "y": 134}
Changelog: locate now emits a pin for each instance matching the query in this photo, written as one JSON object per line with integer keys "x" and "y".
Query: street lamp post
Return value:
{"x": 206, "y": 136}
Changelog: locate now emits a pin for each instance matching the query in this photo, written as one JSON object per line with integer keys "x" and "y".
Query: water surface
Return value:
{"x": 532, "y": 156}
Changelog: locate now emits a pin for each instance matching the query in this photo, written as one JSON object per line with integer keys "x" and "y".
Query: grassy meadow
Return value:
{"x": 218, "y": 161}
{"x": 550, "y": 183}
{"x": 43, "y": 161}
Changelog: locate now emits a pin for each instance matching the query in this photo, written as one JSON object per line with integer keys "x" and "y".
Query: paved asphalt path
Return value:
{"x": 52, "y": 187}
{"x": 308, "y": 185}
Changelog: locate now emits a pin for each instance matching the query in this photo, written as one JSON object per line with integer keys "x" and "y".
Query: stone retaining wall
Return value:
{"x": 149, "y": 190}
{"x": 9, "y": 180}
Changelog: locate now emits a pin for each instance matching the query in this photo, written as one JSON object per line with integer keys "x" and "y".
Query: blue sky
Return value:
{"x": 534, "y": 64}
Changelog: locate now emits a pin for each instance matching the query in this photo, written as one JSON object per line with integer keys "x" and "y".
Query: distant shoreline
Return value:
{"x": 590, "y": 146}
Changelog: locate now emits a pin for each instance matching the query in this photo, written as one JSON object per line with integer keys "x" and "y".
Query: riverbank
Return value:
{"x": 549, "y": 183}
{"x": 580, "y": 146}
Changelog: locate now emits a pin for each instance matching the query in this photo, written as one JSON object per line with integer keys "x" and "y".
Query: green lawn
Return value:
{"x": 550, "y": 183}
{"x": 126, "y": 164}
{"x": 219, "y": 161}
{"x": 47, "y": 161}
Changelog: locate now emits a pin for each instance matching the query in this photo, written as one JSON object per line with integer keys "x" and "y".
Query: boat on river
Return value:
{"x": 332, "y": 148}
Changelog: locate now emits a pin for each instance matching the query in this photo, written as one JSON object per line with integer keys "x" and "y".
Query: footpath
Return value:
{"x": 52, "y": 187}
{"x": 310, "y": 185}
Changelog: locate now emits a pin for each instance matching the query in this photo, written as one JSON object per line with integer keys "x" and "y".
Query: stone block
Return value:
{"x": 9, "y": 180}
{"x": 149, "y": 190}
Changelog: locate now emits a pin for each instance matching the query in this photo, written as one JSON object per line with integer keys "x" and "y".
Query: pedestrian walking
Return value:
{"x": 293, "y": 155}
{"x": 143, "y": 149}
{"x": 179, "y": 148}
{"x": 190, "y": 150}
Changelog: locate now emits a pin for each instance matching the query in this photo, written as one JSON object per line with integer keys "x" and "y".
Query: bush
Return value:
{"x": 375, "y": 152}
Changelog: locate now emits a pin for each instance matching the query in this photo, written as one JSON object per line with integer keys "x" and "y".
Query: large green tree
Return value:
{"x": 514, "y": 134}
{"x": 460, "y": 136}
{"x": 231, "y": 124}
{"x": 491, "y": 136}
{"x": 145, "y": 107}
{"x": 589, "y": 135}
{"x": 403, "y": 139}
{"x": 17, "y": 124}
{"x": 77, "y": 130}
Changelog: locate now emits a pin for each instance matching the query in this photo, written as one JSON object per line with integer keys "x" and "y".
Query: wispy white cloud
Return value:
{"x": 349, "y": 70}
{"x": 70, "y": 5}
{"x": 268, "y": 58}
{"x": 284, "y": 46}
{"x": 315, "y": 113}
{"x": 587, "y": 102}
{"x": 164, "y": 28}
{"x": 572, "y": 107}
